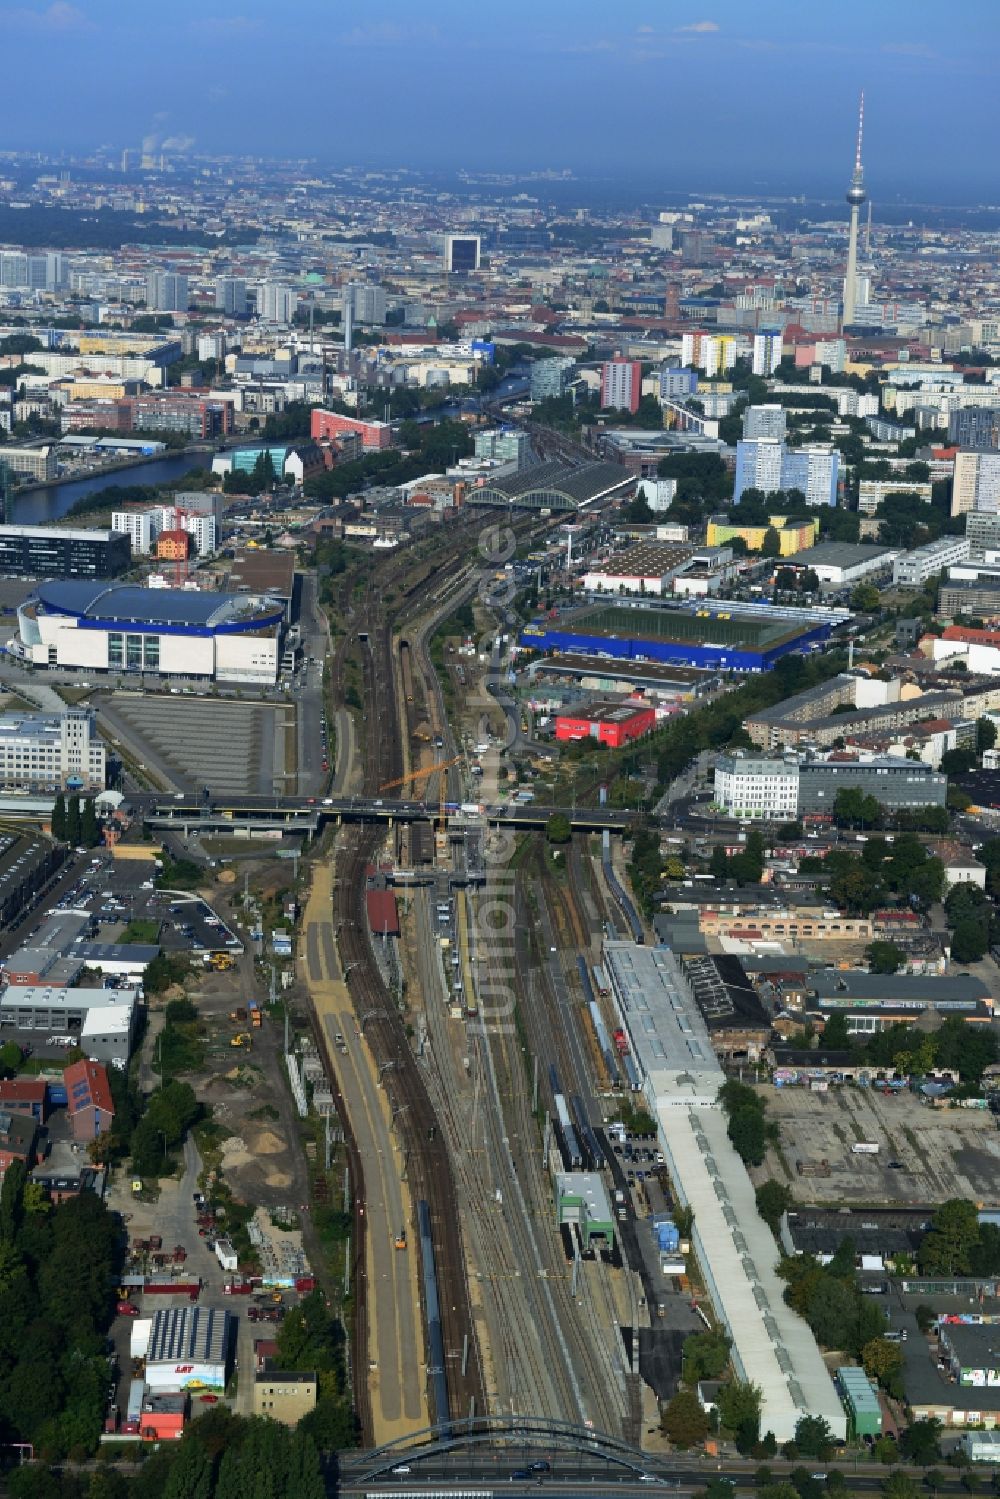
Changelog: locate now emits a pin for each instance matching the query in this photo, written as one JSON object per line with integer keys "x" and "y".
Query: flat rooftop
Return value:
{"x": 643, "y": 673}
{"x": 840, "y": 554}
{"x": 667, "y": 1034}
{"x": 705, "y": 628}
{"x": 647, "y": 560}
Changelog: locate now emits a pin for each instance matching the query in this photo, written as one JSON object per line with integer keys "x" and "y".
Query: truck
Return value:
{"x": 253, "y": 1009}
{"x": 472, "y": 809}
{"x": 621, "y": 1042}
{"x": 864, "y": 1147}
{"x": 133, "y": 1411}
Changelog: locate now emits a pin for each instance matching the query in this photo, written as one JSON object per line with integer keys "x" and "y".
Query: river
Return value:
{"x": 56, "y": 500}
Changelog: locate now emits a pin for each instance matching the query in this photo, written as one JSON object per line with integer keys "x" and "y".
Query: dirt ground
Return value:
{"x": 941, "y": 1152}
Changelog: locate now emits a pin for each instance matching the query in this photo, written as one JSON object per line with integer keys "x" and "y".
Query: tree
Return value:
{"x": 558, "y": 829}
{"x": 958, "y": 762}
{"x": 901, "y": 1486}
{"x": 831, "y": 1312}
{"x": 866, "y": 599}
{"x": 836, "y": 1036}
{"x": 73, "y": 830}
{"x": 705, "y": 1356}
{"x": 739, "y": 1405}
{"x": 947, "y": 1246}
{"x": 969, "y": 941}
{"x": 771, "y": 545}
{"x": 12, "y": 1201}
{"x": 986, "y": 735}
{"x": 90, "y": 832}
{"x": 773, "y": 1199}
{"x": 11, "y": 1057}
{"x": 684, "y": 1421}
{"x": 748, "y": 1134}
{"x": 919, "y": 1443}
{"x": 813, "y": 1437}
{"x": 719, "y": 863}
{"x": 190, "y": 1474}
{"x": 884, "y": 957}
{"x": 969, "y": 1049}
{"x": 882, "y": 1360}
{"x": 59, "y": 818}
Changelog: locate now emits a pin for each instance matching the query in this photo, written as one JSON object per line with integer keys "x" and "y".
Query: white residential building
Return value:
{"x": 871, "y": 492}
{"x": 757, "y": 786}
{"x": 976, "y": 484}
{"x": 766, "y": 353}
{"x": 138, "y": 526}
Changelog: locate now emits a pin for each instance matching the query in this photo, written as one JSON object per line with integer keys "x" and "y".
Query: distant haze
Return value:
{"x": 721, "y": 94}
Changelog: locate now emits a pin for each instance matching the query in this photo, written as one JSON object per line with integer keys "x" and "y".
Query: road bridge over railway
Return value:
{"x": 210, "y": 814}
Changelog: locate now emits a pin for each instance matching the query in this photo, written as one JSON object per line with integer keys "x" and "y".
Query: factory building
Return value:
{"x": 221, "y": 637}
{"x": 771, "y": 1346}
{"x": 57, "y": 552}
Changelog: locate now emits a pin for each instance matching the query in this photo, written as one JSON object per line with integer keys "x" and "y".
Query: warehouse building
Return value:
{"x": 222, "y": 637}
{"x": 680, "y": 1075}
{"x": 914, "y": 568}
{"x": 190, "y": 1348}
{"x": 840, "y": 564}
{"x": 100, "y": 1021}
{"x": 55, "y": 552}
{"x": 613, "y": 724}
{"x": 646, "y": 568}
{"x": 777, "y": 788}
{"x": 713, "y": 638}
{"x": 861, "y": 1399}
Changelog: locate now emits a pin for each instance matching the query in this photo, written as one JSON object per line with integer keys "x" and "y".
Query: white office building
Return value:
{"x": 52, "y": 750}
{"x": 761, "y": 786}
{"x": 914, "y": 568}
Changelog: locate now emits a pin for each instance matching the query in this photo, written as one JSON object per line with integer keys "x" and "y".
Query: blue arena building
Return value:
{"x": 97, "y": 627}
{"x": 710, "y": 639}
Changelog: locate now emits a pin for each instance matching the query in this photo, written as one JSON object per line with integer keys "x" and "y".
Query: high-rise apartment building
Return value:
{"x": 758, "y": 466}
{"x": 368, "y": 303}
{"x": 621, "y": 384}
{"x": 231, "y": 296}
{"x": 766, "y": 355}
{"x": 549, "y": 377}
{"x": 709, "y": 352}
{"x": 276, "y": 303}
{"x": 765, "y": 421}
{"x": 976, "y": 484}
{"x": 166, "y": 291}
{"x": 765, "y": 463}
{"x": 975, "y": 427}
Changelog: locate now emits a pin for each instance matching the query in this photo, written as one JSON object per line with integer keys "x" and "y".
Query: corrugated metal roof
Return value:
{"x": 189, "y": 1334}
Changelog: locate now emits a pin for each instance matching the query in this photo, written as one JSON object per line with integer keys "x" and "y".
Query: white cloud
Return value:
{"x": 60, "y": 16}
{"x": 386, "y": 34}
{"x": 700, "y": 27}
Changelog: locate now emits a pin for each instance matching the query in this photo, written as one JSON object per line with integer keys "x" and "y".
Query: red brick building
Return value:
{"x": 88, "y": 1100}
{"x": 613, "y": 724}
{"x": 331, "y": 424}
{"x": 25, "y": 1095}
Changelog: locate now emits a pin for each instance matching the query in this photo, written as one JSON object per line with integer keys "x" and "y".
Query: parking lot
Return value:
{"x": 925, "y": 1155}
{"x": 233, "y": 747}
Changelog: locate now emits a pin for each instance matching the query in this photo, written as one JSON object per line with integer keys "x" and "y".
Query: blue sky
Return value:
{"x": 670, "y": 93}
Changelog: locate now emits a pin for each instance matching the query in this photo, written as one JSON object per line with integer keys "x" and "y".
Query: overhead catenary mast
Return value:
{"x": 856, "y": 195}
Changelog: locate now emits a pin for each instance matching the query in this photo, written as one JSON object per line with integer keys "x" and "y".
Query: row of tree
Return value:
{"x": 75, "y": 821}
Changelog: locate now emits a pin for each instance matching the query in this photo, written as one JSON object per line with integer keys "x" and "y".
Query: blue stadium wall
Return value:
{"x": 672, "y": 652}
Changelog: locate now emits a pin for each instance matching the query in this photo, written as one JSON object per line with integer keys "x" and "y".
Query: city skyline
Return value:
{"x": 566, "y": 89}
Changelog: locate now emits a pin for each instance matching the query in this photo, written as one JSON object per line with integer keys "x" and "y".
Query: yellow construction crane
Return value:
{"x": 421, "y": 775}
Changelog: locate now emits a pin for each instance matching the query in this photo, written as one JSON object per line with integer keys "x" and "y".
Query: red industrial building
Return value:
{"x": 383, "y": 917}
{"x": 613, "y": 724}
{"x": 88, "y": 1100}
{"x": 328, "y": 424}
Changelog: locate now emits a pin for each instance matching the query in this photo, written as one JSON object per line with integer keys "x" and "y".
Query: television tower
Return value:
{"x": 856, "y": 195}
